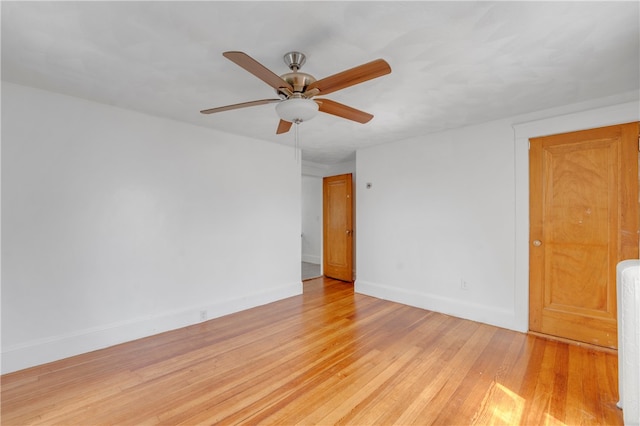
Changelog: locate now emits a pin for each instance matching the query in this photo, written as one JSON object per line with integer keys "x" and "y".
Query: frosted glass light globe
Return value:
{"x": 297, "y": 110}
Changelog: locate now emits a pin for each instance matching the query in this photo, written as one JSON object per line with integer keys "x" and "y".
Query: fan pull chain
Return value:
{"x": 297, "y": 145}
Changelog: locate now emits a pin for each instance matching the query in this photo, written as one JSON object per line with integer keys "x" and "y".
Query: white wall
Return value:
{"x": 312, "y": 219}
{"x": 452, "y": 207}
{"x": 310, "y": 168}
{"x": 118, "y": 225}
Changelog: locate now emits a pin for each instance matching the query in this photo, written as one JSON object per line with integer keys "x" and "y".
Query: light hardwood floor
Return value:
{"x": 327, "y": 357}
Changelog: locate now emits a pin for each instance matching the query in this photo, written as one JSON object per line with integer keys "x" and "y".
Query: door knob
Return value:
{"x": 537, "y": 243}
{"x": 348, "y": 231}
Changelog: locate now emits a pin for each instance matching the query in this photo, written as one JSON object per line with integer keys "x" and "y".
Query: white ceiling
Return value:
{"x": 454, "y": 63}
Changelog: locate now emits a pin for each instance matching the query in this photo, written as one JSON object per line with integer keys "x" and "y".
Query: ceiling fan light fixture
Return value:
{"x": 297, "y": 110}
{"x": 296, "y": 89}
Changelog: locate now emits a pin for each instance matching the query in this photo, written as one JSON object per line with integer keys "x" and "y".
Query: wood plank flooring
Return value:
{"x": 327, "y": 357}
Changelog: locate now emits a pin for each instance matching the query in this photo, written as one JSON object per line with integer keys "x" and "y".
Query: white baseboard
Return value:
{"x": 54, "y": 348}
{"x": 498, "y": 317}
{"x": 311, "y": 258}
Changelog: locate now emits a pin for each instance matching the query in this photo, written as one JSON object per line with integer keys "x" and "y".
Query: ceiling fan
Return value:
{"x": 296, "y": 89}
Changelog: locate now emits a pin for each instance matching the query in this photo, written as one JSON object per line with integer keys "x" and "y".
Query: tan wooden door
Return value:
{"x": 338, "y": 227}
{"x": 583, "y": 221}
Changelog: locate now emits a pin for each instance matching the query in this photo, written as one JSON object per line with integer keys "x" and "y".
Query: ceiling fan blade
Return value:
{"x": 351, "y": 77}
{"x": 241, "y": 105}
{"x": 335, "y": 108}
{"x": 283, "y": 127}
{"x": 256, "y": 68}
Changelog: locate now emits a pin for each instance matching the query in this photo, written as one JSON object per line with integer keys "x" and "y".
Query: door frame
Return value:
{"x": 321, "y": 171}
{"x": 624, "y": 112}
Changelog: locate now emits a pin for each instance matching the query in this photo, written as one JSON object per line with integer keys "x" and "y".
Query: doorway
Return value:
{"x": 311, "y": 222}
{"x": 583, "y": 221}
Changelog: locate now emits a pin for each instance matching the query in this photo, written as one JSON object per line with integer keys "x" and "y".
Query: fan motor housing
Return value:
{"x": 299, "y": 80}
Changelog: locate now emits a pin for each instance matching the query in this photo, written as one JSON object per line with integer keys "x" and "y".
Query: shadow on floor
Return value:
{"x": 310, "y": 270}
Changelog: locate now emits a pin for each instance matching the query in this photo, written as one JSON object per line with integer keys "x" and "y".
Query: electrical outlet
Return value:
{"x": 203, "y": 315}
{"x": 464, "y": 285}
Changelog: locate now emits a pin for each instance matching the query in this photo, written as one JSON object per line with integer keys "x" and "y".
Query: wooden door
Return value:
{"x": 583, "y": 221}
{"x": 338, "y": 227}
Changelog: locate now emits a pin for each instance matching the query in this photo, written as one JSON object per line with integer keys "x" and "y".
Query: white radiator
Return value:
{"x": 628, "y": 287}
